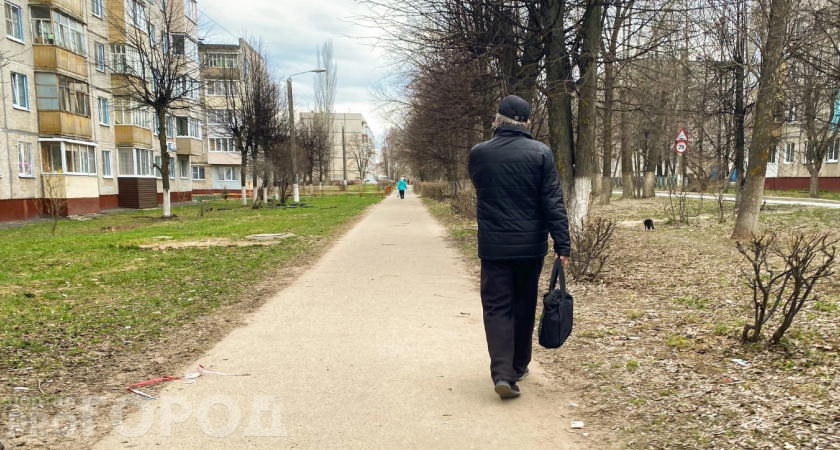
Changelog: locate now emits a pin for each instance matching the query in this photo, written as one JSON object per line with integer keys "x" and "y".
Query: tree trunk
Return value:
{"x": 626, "y": 152}
{"x": 606, "y": 167}
{"x": 765, "y": 127}
{"x": 164, "y": 161}
{"x": 585, "y": 160}
{"x": 815, "y": 184}
{"x": 740, "y": 108}
{"x": 243, "y": 171}
{"x": 558, "y": 78}
{"x": 649, "y": 189}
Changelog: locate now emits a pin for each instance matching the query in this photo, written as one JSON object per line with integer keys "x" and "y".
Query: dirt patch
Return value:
{"x": 220, "y": 242}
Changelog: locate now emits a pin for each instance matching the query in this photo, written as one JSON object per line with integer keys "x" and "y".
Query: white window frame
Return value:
{"x": 143, "y": 159}
{"x": 26, "y": 160}
{"x": 227, "y": 173}
{"x": 773, "y": 156}
{"x": 790, "y": 153}
{"x": 172, "y": 167}
{"x": 191, "y": 10}
{"x": 10, "y": 22}
{"x": 199, "y": 170}
{"x": 184, "y": 167}
{"x": 832, "y": 154}
{"x": 96, "y": 8}
{"x": 214, "y": 144}
{"x": 104, "y": 111}
{"x": 107, "y": 164}
{"x": 16, "y": 78}
{"x": 99, "y": 57}
{"x": 193, "y": 127}
{"x": 222, "y": 60}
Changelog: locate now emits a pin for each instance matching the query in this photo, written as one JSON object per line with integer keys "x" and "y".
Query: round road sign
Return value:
{"x": 681, "y": 147}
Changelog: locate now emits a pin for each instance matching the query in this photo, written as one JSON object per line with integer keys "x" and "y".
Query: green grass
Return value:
{"x": 91, "y": 288}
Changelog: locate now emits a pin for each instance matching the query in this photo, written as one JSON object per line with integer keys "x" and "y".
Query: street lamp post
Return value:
{"x": 295, "y": 191}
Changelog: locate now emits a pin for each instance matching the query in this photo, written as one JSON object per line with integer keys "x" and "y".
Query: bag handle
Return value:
{"x": 557, "y": 273}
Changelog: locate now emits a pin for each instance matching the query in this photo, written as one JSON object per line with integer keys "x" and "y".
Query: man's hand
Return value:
{"x": 563, "y": 259}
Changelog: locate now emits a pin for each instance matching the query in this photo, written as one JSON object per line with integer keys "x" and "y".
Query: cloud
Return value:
{"x": 292, "y": 31}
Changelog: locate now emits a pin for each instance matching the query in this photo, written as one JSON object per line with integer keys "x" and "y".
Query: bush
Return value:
{"x": 784, "y": 275}
{"x": 434, "y": 191}
{"x": 591, "y": 248}
{"x": 464, "y": 204}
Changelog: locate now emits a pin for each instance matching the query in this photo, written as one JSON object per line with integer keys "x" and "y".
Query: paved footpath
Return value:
{"x": 379, "y": 345}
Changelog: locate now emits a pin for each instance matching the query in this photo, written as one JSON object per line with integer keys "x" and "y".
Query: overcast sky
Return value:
{"x": 292, "y": 32}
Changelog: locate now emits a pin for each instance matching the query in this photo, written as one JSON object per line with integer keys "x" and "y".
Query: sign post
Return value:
{"x": 681, "y": 146}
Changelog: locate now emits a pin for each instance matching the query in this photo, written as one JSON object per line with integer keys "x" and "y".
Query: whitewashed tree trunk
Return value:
{"x": 244, "y": 196}
{"x": 167, "y": 204}
{"x": 577, "y": 204}
{"x": 650, "y": 185}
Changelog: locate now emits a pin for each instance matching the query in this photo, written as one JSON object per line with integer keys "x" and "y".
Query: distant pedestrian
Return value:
{"x": 401, "y": 187}
{"x": 520, "y": 202}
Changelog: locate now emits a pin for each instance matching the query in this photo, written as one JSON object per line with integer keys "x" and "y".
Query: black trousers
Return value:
{"x": 402, "y": 193}
{"x": 509, "y": 292}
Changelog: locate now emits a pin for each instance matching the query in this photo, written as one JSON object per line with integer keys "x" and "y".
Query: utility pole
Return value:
{"x": 344, "y": 152}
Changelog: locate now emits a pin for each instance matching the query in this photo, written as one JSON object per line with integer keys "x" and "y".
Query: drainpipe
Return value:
{"x": 6, "y": 128}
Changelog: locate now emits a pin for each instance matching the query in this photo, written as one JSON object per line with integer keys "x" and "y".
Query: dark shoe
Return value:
{"x": 507, "y": 390}
{"x": 523, "y": 375}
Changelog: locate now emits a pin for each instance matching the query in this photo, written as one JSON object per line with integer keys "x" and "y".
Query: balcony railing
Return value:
{"x": 52, "y": 57}
{"x": 133, "y": 136}
{"x": 189, "y": 146}
{"x": 74, "y": 7}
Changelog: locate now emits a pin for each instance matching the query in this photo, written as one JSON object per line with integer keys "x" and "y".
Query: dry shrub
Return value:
{"x": 591, "y": 248}
{"x": 434, "y": 191}
{"x": 464, "y": 204}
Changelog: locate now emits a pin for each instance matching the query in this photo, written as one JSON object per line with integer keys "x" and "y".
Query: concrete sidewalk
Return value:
{"x": 379, "y": 345}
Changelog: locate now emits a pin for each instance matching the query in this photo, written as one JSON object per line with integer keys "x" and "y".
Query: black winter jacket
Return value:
{"x": 520, "y": 200}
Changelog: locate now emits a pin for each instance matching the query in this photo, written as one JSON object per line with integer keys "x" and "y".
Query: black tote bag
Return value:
{"x": 558, "y": 311}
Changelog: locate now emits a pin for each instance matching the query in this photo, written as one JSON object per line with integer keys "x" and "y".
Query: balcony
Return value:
{"x": 60, "y": 123}
{"x": 188, "y": 146}
{"x": 133, "y": 136}
{"x": 74, "y": 7}
{"x": 52, "y": 58}
{"x": 221, "y": 73}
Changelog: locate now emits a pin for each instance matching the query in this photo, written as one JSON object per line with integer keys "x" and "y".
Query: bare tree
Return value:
{"x": 54, "y": 201}
{"x": 325, "y": 90}
{"x": 361, "y": 148}
{"x": 766, "y": 128}
{"x": 160, "y": 68}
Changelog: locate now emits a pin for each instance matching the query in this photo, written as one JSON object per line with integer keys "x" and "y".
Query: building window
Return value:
{"x": 99, "y": 56}
{"x": 188, "y": 127}
{"x": 221, "y": 145}
{"x": 771, "y": 158}
{"x": 52, "y": 27}
{"x": 68, "y": 158}
{"x": 125, "y": 59}
{"x": 144, "y": 158}
{"x": 96, "y": 8}
{"x": 126, "y": 161}
{"x": 187, "y": 87}
{"x": 228, "y": 173}
{"x": 833, "y": 152}
{"x": 222, "y": 60}
{"x": 184, "y": 166}
{"x": 107, "y": 170}
{"x": 130, "y": 112}
{"x": 20, "y": 91}
{"x": 59, "y": 93}
{"x": 170, "y": 127}
{"x": 26, "y": 159}
{"x": 104, "y": 111}
{"x": 790, "y": 152}
{"x": 219, "y": 116}
{"x": 183, "y": 45}
{"x": 14, "y": 22}
{"x": 137, "y": 13}
{"x": 191, "y": 10}
{"x": 218, "y": 88}
{"x": 172, "y": 167}
{"x": 197, "y": 172}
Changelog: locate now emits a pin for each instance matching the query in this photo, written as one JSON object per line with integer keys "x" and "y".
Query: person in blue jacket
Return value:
{"x": 401, "y": 187}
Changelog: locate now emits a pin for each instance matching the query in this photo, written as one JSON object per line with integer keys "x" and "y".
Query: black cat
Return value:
{"x": 649, "y": 224}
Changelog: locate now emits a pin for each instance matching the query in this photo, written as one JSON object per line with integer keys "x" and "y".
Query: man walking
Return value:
{"x": 520, "y": 202}
{"x": 401, "y": 186}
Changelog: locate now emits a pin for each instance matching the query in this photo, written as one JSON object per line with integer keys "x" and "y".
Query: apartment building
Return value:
{"x": 356, "y": 133}
{"x": 70, "y": 126}
{"x": 786, "y": 168}
{"x": 223, "y": 71}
